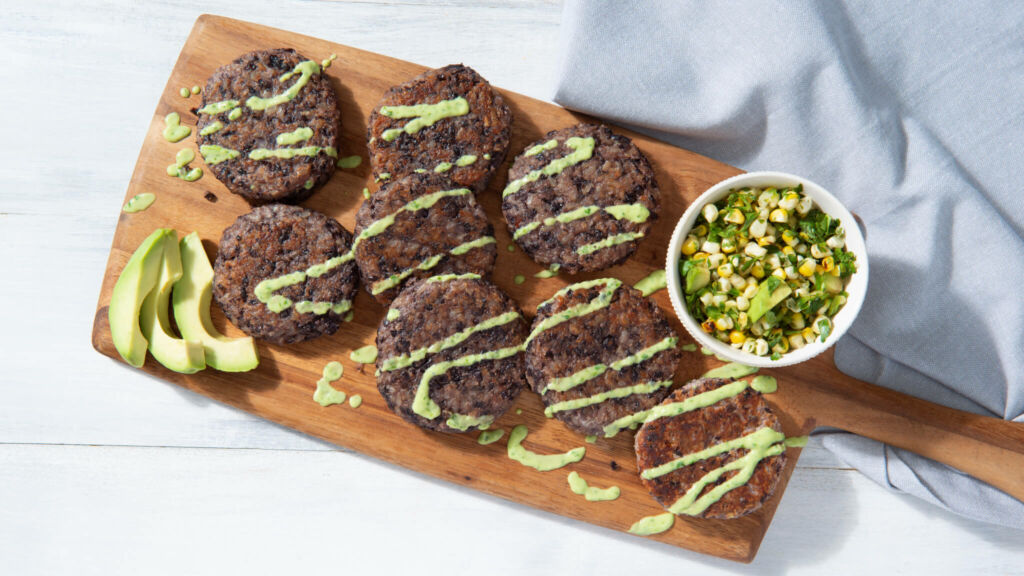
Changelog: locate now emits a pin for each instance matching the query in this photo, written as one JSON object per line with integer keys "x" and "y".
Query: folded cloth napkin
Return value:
{"x": 911, "y": 114}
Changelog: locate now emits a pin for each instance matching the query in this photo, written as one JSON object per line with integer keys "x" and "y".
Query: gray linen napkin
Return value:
{"x": 913, "y": 115}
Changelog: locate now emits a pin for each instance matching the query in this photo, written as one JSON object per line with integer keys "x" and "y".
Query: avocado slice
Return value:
{"x": 137, "y": 279}
{"x": 185, "y": 356}
{"x": 697, "y": 277}
{"x": 832, "y": 284}
{"x": 191, "y": 300}
{"x": 767, "y": 297}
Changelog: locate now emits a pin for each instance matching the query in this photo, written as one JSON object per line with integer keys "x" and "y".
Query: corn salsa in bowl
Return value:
{"x": 764, "y": 268}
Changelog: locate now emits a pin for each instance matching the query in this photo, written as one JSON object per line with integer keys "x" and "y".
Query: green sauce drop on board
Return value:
{"x": 590, "y": 439}
{"x": 489, "y": 436}
{"x": 326, "y": 62}
{"x": 764, "y": 384}
{"x": 579, "y": 486}
{"x": 235, "y": 114}
{"x": 730, "y": 370}
{"x": 350, "y": 161}
{"x": 652, "y": 283}
{"x": 211, "y": 128}
{"x": 519, "y": 279}
{"x": 688, "y": 347}
{"x": 551, "y": 272}
{"x": 173, "y": 130}
{"x": 325, "y": 394}
{"x": 423, "y": 115}
{"x": 184, "y": 93}
{"x": 519, "y": 411}
{"x": 180, "y": 167}
{"x": 582, "y": 149}
{"x": 305, "y": 69}
{"x": 355, "y": 401}
{"x": 511, "y": 247}
{"x": 138, "y": 203}
{"x": 196, "y": 89}
{"x": 796, "y": 441}
{"x": 541, "y": 463}
{"x": 364, "y": 355}
{"x": 366, "y": 192}
{"x": 300, "y": 134}
{"x": 651, "y": 525}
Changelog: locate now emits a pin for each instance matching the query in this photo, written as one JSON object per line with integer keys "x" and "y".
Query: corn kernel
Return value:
{"x": 738, "y": 282}
{"x": 779, "y": 215}
{"x": 758, "y": 228}
{"x": 757, "y": 271}
{"x": 789, "y": 238}
{"x": 725, "y": 270}
{"x": 734, "y": 216}
{"x": 805, "y": 205}
{"x": 779, "y": 273}
{"x": 710, "y": 213}
{"x": 754, "y": 251}
{"x": 789, "y": 200}
{"x": 796, "y": 341}
{"x": 742, "y": 303}
{"x": 835, "y": 271}
{"x": 787, "y": 250}
{"x": 782, "y": 347}
{"x": 737, "y": 337}
{"x": 807, "y": 268}
{"x": 750, "y": 291}
{"x": 716, "y": 260}
{"x": 724, "y": 323}
{"x": 690, "y": 246}
{"x": 711, "y": 247}
{"x": 742, "y": 320}
{"x": 700, "y": 230}
{"x": 749, "y": 345}
{"x": 708, "y": 326}
{"x": 820, "y": 252}
{"x": 808, "y": 334}
{"x": 765, "y": 241}
{"x": 836, "y": 242}
{"x": 728, "y": 245}
{"x": 828, "y": 264}
{"x": 761, "y": 347}
{"x": 700, "y": 255}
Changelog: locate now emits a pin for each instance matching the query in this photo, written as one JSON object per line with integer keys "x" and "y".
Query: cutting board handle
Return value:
{"x": 987, "y": 448}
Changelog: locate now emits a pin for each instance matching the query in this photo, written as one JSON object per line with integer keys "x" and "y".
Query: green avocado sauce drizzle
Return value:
{"x": 589, "y": 373}
{"x": 424, "y": 406}
{"x": 519, "y": 279}
{"x": 652, "y": 283}
{"x": 582, "y": 149}
{"x": 212, "y": 128}
{"x": 325, "y": 394}
{"x": 364, "y": 355}
{"x": 305, "y": 69}
{"x": 730, "y": 370}
{"x": 489, "y": 436}
{"x": 264, "y": 291}
{"x": 173, "y": 130}
{"x": 196, "y": 89}
{"x": 138, "y": 203}
{"x": 180, "y": 167}
{"x": 355, "y": 401}
{"x": 577, "y": 403}
{"x": 289, "y": 153}
{"x": 579, "y": 486}
{"x": 539, "y": 462}
{"x": 651, "y": 525}
{"x": 464, "y": 422}
{"x": 214, "y": 154}
{"x": 608, "y": 242}
{"x": 423, "y": 115}
{"x": 326, "y": 62}
{"x": 350, "y": 161}
{"x": 691, "y": 347}
{"x": 534, "y": 150}
{"x": 636, "y": 213}
{"x": 300, "y": 134}
{"x": 235, "y": 114}
{"x": 393, "y": 314}
{"x": 218, "y": 107}
{"x": 427, "y": 264}
{"x": 184, "y": 93}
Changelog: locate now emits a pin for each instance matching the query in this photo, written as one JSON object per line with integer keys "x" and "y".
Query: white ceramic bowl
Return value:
{"x": 856, "y": 288}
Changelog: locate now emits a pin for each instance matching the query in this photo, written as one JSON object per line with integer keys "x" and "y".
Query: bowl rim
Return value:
{"x": 856, "y": 288}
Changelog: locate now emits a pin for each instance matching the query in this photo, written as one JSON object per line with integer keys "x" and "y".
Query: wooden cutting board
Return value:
{"x": 810, "y": 395}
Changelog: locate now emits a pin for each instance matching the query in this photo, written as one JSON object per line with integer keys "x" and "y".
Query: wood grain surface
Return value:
{"x": 280, "y": 390}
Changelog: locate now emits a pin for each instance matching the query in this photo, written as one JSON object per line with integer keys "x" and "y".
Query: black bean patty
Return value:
{"x": 413, "y": 242}
{"x": 272, "y": 241}
{"x": 428, "y": 312}
{"x": 665, "y": 439}
{"x": 617, "y": 173}
{"x": 629, "y": 324}
{"x": 315, "y": 107}
{"x": 483, "y": 132}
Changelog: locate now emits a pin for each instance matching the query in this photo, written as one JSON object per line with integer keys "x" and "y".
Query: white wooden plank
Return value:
{"x": 101, "y": 510}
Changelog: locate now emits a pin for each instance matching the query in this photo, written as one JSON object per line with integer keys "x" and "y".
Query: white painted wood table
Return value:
{"x": 104, "y": 470}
